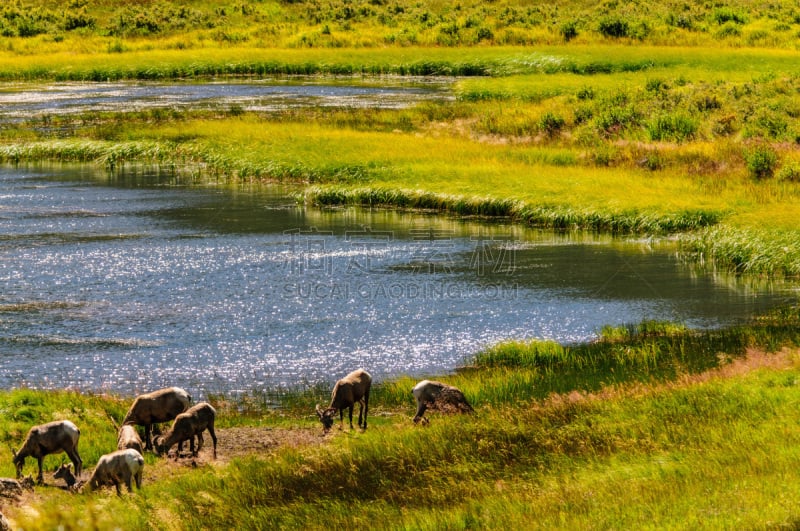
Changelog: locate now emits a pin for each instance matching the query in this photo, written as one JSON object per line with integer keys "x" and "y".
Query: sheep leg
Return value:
{"x": 148, "y": 444}
{"x": 77, "y": 462}
{"x": 350, "y": 410}
{"x": 365, "y": 401}
{"x": 128, "y": 482}
{"x": 139, "y": 480}
{"x": 421, "y": 407}
{"x": 40, "y": 477}
{"x": 200, "y": 442}
{"x": 116, "y": 483}
{"x": 213, "y": 439}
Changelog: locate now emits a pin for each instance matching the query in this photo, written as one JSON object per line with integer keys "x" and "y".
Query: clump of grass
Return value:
{"x": 534, "y": 215}
{"x": 762, "y": 253}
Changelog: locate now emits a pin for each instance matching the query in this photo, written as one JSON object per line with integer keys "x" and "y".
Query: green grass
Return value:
{"x": 651, "y": 426}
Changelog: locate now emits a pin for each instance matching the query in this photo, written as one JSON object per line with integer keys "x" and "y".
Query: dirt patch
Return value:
{"x": 232, "y": 443}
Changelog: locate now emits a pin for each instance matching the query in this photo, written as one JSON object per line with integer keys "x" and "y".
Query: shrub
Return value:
{"x": 724, "y": 15}
{"x": 585, "y": 93}
{"x": 728, "y": 30}
{"x": 675, "y": 127}
{"x": 550, "y": 124}
{"x": 569, "y": 30}
{"x": 613, "y": 27}
{"x": 761, "y": 161}
{"x": 790, "y": 172}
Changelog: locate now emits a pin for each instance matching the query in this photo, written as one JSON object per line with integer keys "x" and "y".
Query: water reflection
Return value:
{"x": 131, "y": 284}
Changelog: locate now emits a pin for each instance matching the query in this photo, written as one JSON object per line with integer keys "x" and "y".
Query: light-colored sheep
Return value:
{"x": 129, "y": 438}
{"x": 159, "y": 406}
{"x": 51, "y": 438}
{"x": 351, "y": 389}
{"x": 121, "y": 466}
{"x": 438, "y": 396}
{"x": 193, "y": 422}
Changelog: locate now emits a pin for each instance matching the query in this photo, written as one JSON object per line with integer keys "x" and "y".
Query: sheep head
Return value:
{"x": 326, "y": 417}
{"x": 18, "y": 461}
{"x": 160, "y": 445}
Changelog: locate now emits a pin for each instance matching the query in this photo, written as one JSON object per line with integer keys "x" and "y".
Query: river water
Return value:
{"x": 26, "y": 101}
{"x": 128, "y": 284}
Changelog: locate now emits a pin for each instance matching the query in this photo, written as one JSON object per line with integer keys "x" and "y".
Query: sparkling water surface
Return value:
{"x": 134, "y": 283}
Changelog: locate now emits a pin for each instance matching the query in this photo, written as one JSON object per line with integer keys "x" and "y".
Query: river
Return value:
{"x": 127, "y": 284}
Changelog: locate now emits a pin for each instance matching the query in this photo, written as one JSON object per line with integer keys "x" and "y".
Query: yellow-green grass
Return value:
{"x": 654, "y": 426}
{"x": 78, "y": 64}
{"x": 458, "y": 166}
{"x": 33, "y": 25}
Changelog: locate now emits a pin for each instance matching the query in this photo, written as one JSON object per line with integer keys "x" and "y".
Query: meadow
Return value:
{"x": 674, "y": 119}
{"x": 691, "y": 430}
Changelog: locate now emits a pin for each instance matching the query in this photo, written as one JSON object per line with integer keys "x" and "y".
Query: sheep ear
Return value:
{"x": 14, "y": 452}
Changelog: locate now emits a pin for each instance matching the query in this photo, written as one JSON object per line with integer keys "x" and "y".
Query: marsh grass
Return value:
{"x": 744, "y": 252}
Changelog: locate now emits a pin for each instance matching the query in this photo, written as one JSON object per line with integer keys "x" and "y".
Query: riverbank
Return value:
{"x": 653, "y": 425}
{"x": 644, "y": 139}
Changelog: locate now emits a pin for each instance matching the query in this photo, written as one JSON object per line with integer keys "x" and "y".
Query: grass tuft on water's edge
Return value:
{"x": 547, "y": 216}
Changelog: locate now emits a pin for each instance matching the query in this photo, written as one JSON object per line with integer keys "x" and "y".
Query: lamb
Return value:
{"x": 129, "y": 438}
{"x": 186, "y": 426}
{"x": 438, "y": 396}
{"x": 51, "y": 438}
{"x": 351, "y": 389}
{"x": 118, "y": 467}
{"x": 159, "y": 406}
{"x": 64, "y": 472}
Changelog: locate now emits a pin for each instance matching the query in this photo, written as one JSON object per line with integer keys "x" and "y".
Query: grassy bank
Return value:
{"x": 651, "y": 426}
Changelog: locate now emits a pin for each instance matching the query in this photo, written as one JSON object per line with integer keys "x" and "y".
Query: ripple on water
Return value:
{"x": 214, "y": 290}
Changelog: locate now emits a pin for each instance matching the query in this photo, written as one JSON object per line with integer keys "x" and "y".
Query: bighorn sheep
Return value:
{"x": 159, "y": 406}
{"x": 51, "y": 438}
{"x": 129, "y": 438}
{"x": 194, "y": 421}
{"x": 438, "y": 396}
{"x": 351, "y": 389}
{"x": 65, "y": 472}
{"x": 118, "y": 467}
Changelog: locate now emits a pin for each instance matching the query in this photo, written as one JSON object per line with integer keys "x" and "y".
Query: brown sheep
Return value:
{"x": 438, "y": 396}
{"x": 129, "y": 438}
{"x": 193, "y": 422}
{"x": 351, "y": 389}
{"x": 121, "y": 466}
{"x": 51, "y": 438}
{"x": 159, "y": 406}
{"x": 65, "y": 472}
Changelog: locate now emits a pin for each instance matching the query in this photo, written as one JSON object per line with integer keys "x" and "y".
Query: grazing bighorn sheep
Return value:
{"x": 438, "y": 396}
{"x": 159, "y": 406}
{"x": 351, "y": 389}
{"x": 65, "y": 472}
{"x": 129, "y": 438}
{"x": 118, "y": 467}
{"x": 51, "y": 438}
{"x": 193, "y": 422}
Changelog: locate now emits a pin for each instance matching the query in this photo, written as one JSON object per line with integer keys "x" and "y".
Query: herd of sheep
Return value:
{"x": 125, "y": 464}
